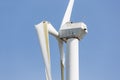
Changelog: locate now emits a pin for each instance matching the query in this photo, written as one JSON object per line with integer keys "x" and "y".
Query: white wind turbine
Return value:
{"x": 70, "y": 33}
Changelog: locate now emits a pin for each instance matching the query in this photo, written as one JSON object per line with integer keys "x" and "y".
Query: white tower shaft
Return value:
{"x": 72, "y": 59}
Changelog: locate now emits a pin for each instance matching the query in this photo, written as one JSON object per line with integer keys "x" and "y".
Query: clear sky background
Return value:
{"x": 20, "y": 54}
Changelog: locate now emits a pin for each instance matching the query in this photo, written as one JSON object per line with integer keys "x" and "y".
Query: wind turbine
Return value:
{"x": 69, "y": 33}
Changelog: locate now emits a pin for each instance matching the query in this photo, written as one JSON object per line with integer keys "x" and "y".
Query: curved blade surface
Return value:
{"x": 42, "y": 31}
{"x": 67, "y": 14}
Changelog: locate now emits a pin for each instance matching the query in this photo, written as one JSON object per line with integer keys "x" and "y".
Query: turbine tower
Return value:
{"x": 69, "y": 33}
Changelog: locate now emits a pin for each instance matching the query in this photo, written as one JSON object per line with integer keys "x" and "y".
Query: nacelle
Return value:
{"x": 73, "y": 30}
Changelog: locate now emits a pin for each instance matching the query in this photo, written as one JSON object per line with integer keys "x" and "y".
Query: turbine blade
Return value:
{"x": 42, "y": 31}
{"x": 52, "y": 30}
{"x": 47, "y": 78}
{"x": 62, "y": 58}
{"x": 68, "y": 12}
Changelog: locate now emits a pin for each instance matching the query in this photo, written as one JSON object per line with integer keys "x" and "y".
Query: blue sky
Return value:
{"x": 20, "y": 54}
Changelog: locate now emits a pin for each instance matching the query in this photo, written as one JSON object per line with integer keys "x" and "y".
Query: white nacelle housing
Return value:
{"x": 73, "y": 30}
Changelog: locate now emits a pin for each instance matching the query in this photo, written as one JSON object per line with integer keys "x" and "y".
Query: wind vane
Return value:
{"x": 69, "y": 33}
